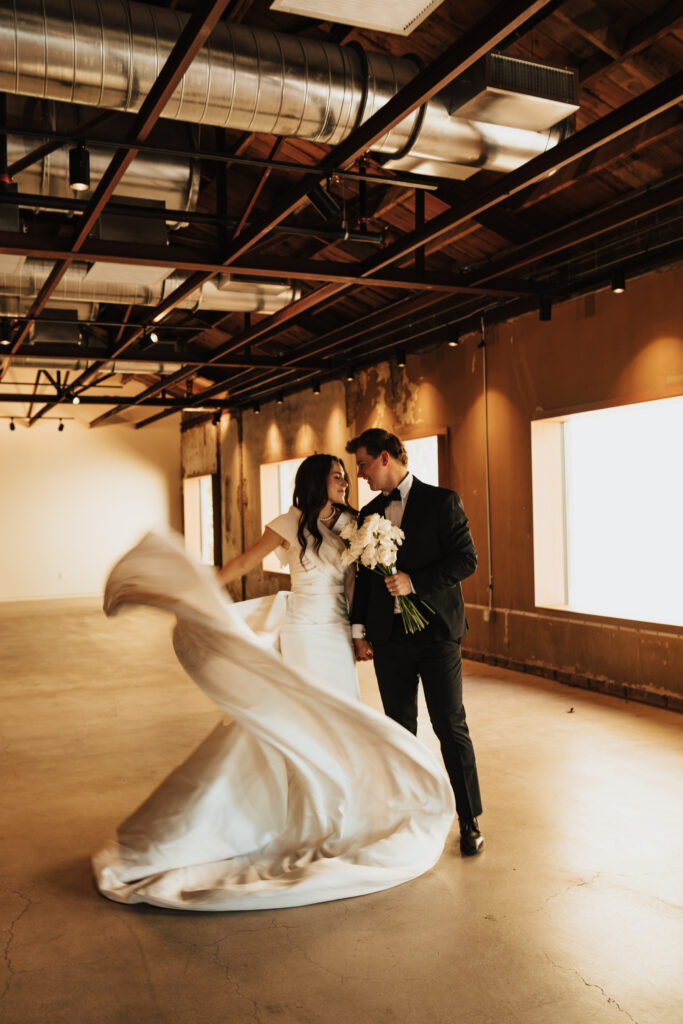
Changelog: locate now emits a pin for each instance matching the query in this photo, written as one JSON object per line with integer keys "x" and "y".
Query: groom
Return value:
{"x": 436, "y": 554}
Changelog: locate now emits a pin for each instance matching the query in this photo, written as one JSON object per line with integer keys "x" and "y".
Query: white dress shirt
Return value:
{"x": 394, "y": 513}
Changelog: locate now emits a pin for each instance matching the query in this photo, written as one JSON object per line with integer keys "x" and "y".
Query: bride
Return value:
{"x": 302, "y": 794}
{"x": 315, "y": 635}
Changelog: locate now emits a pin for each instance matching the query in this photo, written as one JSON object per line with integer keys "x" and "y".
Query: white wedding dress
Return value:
{"x": 304, "y": 795}
{"x": 315, "y": 635}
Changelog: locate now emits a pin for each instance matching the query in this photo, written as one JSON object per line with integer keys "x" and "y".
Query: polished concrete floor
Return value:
{"x": 569, "y": 917}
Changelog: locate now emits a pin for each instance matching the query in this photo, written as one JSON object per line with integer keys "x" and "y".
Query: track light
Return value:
{"x": 618, "y": 280}
{"x": 349, "y": 373}
{"x": 154, "y": 337}
{"x": 454, "y": 339}
{"x": 280, "y": 398}
{"x": 400, "y": 357}
{"x": 79, "y": 168}
{"x": 257, "y": 408}
{"x": 61, "y": 426}
{"x": 11, "y": 424}
{"x": 316, "y": 388}
{"x": 326, "y": 205}
{"x": 545, "y": 308}
{"x": 75, "y": 400}
{"x": 5, "y": 333}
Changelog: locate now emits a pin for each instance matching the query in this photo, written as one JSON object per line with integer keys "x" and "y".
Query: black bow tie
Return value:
{"x": 394, "y": 496}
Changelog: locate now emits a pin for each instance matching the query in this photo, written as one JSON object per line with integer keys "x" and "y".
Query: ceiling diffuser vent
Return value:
{"x": 381, "y": 15}
{"x": 517, "y": 93}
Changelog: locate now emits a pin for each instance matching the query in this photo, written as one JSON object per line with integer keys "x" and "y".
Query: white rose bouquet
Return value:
{"x": 375, "y": 544}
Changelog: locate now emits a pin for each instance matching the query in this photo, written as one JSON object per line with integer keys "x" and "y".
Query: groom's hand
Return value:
{"x": 399, "y": 584}
{"x": 363, "y": 649}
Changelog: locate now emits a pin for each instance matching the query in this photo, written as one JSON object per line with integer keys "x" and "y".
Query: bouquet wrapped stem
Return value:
{"x": 412, "y": 618}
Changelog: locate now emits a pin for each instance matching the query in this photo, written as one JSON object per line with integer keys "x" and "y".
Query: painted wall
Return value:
{"x": 72, "y": 502}
{"x": 597, "y": 351}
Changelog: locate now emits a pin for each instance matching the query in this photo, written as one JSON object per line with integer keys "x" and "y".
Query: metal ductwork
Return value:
{"x": 108, "y": 366}
{"x": 88, "y": 283}
{"x": 109, "y": 55}
{"x": 174, "y": 181}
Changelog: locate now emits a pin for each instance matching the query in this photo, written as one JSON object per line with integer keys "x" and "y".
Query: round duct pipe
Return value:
{"x": 221, "y": 293}
{"x": 111, "y": 366}
{"x": 174, "y": 181}
{"x": 109, "y": 55}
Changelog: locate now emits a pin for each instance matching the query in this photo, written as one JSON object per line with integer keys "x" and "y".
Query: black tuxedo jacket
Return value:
{"x": 437, "y": 553}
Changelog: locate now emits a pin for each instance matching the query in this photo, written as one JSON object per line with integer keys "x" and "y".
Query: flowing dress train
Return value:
{"x": 304, "y": 796}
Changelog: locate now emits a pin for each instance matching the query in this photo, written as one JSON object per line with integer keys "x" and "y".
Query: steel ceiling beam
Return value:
{"x": 584, "y": 229}
{"x": 651, "y": 103}
{"x": 467, "y": 322}
{"x": 161, "y": 354}
{"x": 589, "y": 139}
{"x": 409, "y": 320}
{"x": 637, "y": 111}
{"x": 625, "y": 146}
{"x": 640, "y": 36}
{"x": 457, "y": 59}
{"x": 190, "y": 41}
{"x": 174, "y": 405}
{"x": 195, "y": 33}
{"x": 454, "y": 61}
{"x": 188, "y": 260}
{"x": 402, "y": 180}
{"x": 601, "y": 132}
{"x": 40, "y": 152}
{"x": 496, "y": 26}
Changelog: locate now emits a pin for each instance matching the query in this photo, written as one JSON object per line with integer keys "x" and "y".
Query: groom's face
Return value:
{"x": 374, "y": 469}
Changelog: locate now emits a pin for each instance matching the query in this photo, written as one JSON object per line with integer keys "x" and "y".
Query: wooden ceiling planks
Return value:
{"x": 619, "y": 48}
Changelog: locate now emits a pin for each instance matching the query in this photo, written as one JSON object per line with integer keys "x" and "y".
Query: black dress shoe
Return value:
{"x": 471, "y": 839}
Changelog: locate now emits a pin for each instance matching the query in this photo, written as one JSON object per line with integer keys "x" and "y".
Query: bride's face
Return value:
{"x": 337, "y": 484}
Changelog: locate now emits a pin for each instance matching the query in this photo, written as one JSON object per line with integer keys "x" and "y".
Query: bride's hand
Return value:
{"x": 363, "y": 649}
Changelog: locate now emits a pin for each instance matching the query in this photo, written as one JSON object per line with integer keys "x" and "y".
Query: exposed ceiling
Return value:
{"x": 267, "y": 263}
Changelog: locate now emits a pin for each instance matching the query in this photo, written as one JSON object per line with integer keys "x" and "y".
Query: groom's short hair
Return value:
{"x": 376, "y": 440}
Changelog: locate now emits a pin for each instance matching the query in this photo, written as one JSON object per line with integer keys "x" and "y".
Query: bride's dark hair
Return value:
{"x": 310, "y": 497}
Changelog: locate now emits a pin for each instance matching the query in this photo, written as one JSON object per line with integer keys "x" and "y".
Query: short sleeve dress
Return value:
{"x": 315, "y": 636}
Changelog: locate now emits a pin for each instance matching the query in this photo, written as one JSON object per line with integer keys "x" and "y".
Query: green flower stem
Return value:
{"x": 412, "y": 618}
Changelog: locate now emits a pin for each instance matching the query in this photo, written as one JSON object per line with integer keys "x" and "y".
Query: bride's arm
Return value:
{"x": 244, "y": 563}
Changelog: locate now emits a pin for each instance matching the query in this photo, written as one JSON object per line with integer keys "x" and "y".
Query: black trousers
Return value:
{"x": 399, "y": 663}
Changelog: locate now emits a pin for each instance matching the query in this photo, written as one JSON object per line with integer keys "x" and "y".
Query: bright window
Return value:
{"x": 277, "y": 489}
{"x": 608, "y": 507}
{"x": 423, "y": 461}
{"x": 198, "y": 517}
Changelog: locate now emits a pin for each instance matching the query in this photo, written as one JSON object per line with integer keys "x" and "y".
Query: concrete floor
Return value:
{"x": 569, "y": 916}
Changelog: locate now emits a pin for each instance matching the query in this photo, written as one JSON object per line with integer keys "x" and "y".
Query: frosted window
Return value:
{"x": 622, "y": 508}
{"x": 198, "y": 509}
{"x": 423, "y": 461}
{"x": 277, "y": 489}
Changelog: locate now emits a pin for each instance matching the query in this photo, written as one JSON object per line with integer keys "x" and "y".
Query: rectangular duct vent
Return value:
{"x": 64, "y": 333}
{"x": 517, "y": 93}
{"x": 381, "y": 15}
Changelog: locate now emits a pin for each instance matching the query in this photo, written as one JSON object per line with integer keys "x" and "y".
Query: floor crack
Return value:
{"x": 10, "y": 939}
{"x": 591, "y": 984}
